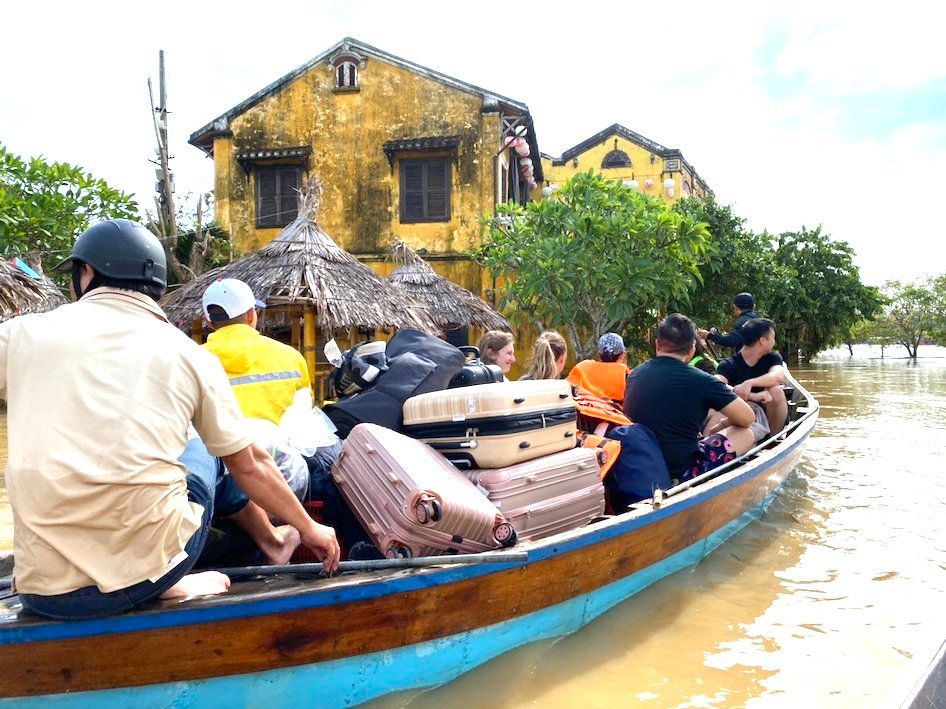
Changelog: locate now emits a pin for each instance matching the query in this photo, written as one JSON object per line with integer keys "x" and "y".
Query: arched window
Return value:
{"x": 686, "y": 189}
{"x": 616, "y": 158}
{"x": 346, "y": 73}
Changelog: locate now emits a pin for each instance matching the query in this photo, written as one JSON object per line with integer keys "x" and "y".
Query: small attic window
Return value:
{"x": 346, "y": 73}
{"x": 616, "y": 158}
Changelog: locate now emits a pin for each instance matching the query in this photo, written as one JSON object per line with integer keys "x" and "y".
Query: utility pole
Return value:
{"x": 164, "y": 187}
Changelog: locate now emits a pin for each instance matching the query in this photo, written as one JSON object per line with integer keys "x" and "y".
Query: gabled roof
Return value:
{"x": 619, "y": 130}
{"x": 203, "y": 137}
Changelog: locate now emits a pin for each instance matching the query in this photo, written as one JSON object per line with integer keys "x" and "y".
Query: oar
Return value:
{"x": 376, "y": 564}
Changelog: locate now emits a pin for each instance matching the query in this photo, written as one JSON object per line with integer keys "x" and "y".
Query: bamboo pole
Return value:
{"x": 308, "y": 340}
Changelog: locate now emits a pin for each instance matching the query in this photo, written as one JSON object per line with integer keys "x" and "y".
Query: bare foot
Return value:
{"x": 205, "y": 583}
{"x": 279, "y": 550}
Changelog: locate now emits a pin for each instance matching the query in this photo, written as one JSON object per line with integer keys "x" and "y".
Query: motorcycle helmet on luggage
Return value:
{"x": 361, "y": 365}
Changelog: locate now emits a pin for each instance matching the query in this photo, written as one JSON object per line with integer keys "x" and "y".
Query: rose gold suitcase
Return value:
{"x": 495, "y": 425}
{"x": 547, "y": 495}
{"x": 411, "y": 500}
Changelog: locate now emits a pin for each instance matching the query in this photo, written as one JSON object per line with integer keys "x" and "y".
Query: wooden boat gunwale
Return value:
{"x": 282, "y": 600}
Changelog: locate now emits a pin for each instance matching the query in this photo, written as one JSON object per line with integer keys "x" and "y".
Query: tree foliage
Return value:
{"x": 737, "y": 260}
{"x": 45, "y": 205}
{"x": 819, "y": 294}
{"x": 598, "y": 257}
{"x": 915, "y": 313}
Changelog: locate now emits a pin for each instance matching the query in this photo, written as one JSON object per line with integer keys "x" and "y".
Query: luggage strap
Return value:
{"x": 495, "y": 426}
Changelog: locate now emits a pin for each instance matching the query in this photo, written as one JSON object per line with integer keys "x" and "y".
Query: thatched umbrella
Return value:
{"x": 21, "y": 293}
{"x": 450, "y": 306}
{"x": 304, "y": 269}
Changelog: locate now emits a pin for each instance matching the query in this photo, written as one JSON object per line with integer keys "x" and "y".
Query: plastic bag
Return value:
{"x": 289, "y": 461}
{"x": 306, "y": 428}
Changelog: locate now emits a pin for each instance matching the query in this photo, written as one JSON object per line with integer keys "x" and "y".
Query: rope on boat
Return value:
{"x": 377, "y": 564}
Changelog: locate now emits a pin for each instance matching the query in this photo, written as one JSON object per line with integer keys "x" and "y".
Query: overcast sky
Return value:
{"x": 797, "y": 114}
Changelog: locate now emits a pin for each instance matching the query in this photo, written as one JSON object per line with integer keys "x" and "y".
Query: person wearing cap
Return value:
{"x": 265, "y": 374}
{"x": 111, "y": 498}
{"x": 607, "y": 375}
{"x": 743, "y": 307}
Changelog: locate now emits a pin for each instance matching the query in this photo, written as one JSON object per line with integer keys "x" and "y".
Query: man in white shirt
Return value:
{"x": 100, "y": 393}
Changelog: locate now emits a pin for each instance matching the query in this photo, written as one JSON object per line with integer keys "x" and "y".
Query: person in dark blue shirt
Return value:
{"x": 756, "y": 372}
{"x": 744, "y": 308}
{"x": 673, "y": 399}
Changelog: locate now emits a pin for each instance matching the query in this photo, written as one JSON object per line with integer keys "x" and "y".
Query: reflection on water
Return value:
{"x": 830, "y": 600}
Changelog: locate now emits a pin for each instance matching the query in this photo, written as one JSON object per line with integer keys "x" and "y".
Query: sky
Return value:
{"x": 795, "y": 113}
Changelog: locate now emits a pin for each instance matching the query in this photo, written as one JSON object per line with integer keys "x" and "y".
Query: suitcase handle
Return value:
{"x": 452, "y": 446}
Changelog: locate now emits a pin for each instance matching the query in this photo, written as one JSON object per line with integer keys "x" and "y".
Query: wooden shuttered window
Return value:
{"x": 425, "y": 190}
{"x": 277, "y": 195}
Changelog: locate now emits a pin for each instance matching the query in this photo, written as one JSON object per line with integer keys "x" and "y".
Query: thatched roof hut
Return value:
{"x": 303, "y": 266}
{"x": 21, "y": 293}
{"x": 450, "y": 305}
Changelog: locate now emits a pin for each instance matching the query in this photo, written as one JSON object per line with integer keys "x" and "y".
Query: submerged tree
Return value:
{"x": 45, "y": 205}
{"x": 914, "y": 313}
{"x": 598, "y": 257}
{"x": 821, "y": 296}
{"x": 736, "y": 260}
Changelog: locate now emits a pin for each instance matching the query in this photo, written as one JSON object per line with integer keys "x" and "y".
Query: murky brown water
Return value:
{"x": 833, "y": 599}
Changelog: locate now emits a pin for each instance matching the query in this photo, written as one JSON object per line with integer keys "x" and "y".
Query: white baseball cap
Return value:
{"x": 231, "y": 294}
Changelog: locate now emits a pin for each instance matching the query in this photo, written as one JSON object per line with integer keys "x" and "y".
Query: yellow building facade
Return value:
{"x": 403, "y": 152}
{"x": 621, "y": 154}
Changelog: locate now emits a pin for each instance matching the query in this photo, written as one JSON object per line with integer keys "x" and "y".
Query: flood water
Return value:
{"x": 833, "y": 599}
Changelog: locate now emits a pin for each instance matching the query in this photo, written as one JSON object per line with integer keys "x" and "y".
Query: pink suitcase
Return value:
{"x": 411, "y": 500}
{"x": 546, "y": 495}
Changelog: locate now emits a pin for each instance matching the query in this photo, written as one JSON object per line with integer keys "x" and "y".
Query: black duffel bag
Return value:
{"x": 418, "y": 363}
{"x": 475, "y": 371}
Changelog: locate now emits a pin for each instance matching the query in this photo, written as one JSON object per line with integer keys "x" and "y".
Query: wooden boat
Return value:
{"x": 342, "y": 641}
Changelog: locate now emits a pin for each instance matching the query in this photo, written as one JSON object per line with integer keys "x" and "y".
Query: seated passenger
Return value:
{"x": 702, "y": 359}
{"x": 756, "y": 373}
{"x": 548, "y": 357}
{"x": 265, "y": 374}
{"x": 673, "y": 399}
{"x": 496, "y": 347}
{"x": 100, "y": 393}
{"x": 605, "y": 376}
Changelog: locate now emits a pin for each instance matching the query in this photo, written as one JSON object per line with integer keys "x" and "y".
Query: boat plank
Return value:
{"x": 329, "y": 632}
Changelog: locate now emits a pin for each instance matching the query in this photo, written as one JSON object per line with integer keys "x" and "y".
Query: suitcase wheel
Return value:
{"x": 428, "y": 511}
{"x": 505, "y": 535}
{"x": 398, "y": 551}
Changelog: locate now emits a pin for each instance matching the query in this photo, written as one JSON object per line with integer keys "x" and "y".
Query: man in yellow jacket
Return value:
{"x": 265, "y": 374}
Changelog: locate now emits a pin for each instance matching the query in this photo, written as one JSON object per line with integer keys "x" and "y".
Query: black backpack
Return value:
{"x": 418, "y": 363}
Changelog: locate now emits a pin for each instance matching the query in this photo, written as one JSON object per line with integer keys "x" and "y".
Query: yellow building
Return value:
{"x": 621, "y": 154}
{"x": 403, "y": 151}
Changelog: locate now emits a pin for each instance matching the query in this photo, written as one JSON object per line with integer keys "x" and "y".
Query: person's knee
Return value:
{"x": 741, "y": 438}
{"x": 777, "y": 393}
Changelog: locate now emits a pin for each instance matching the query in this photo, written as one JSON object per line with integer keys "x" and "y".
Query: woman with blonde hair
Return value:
{"x": 548, "y": 357}
{"x": 496, "y": 347}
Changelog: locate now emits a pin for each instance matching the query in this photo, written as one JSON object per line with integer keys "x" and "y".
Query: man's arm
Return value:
{"x": 257, "y": 475}
{"x": 774, "y": 377}
{"x": 738, "y": 413}
{"x": 732, "y": 339}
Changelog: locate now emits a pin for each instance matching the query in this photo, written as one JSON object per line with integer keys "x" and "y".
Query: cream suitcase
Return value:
{"x": 495, "y": 425}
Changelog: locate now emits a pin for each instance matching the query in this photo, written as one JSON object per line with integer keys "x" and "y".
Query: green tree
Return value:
{"x": 736, "y": 260}
{"x": 819, "y": 295}
{"x": 45, "y": 205}
{"x": 599, "y": 257}
{"x": 914, "y": 313}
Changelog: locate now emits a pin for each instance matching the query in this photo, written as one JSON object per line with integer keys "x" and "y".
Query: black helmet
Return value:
{"x": 123, "y": 250}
